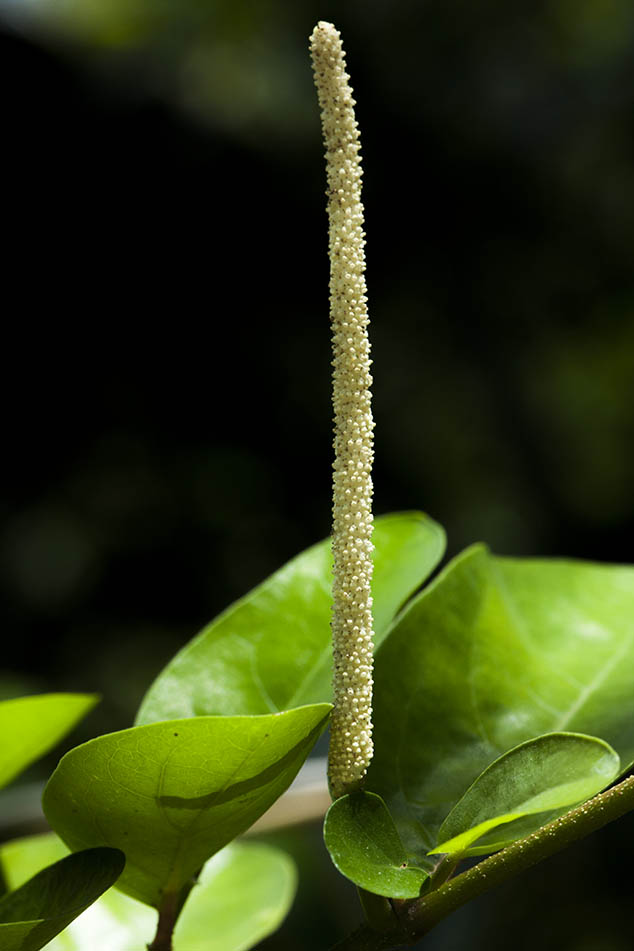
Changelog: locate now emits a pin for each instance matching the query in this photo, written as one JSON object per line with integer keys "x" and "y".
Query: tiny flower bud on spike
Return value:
{"x": 351, "y": 724}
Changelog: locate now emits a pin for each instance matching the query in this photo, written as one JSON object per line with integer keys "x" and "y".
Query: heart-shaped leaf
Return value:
{"x": 271, "y": 650}
{"x": 31, "y": 726}
{"x": 172, "y": 794}
{"x": 549, "y": 773}
{"x": 497, "y": 651}
{"x": 241, "y": 896}
{"x": 37, "y": 911}
{"x": 365, "y": 847}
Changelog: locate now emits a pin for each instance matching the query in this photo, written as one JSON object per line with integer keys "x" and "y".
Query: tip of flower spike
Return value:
{"x": 324, "y": 30}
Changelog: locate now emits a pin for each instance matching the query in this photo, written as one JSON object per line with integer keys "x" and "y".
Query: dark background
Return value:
{"x": 166, "y": 428}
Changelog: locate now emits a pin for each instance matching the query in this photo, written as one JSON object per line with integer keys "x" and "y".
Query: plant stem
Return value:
{"x": 379, "y": 913}
{"x": 419, "y": 917}
{"x": 444, "y": 870}
{"x": 168, "y": 915}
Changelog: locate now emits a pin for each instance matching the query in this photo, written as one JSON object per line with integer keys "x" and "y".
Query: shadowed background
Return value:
{"x": 166, "y": 346}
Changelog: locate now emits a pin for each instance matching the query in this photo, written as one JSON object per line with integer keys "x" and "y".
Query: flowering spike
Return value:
{"x": 351, "y": 725}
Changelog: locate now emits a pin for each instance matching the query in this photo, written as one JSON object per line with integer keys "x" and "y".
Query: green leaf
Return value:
{"x": 497, "y": 651}
{"x": 31, "y": 726}
{"x": 549, "y": 773}
{"x": 271, "y": 650}
{"x": 114, "y": 922}
{"x": 48, "y": 902}
{"x": 365, "y": 847}
{"x": 172, "y": 794}
{"x": 21, "y": 859}
{"x": 242, "y": 895}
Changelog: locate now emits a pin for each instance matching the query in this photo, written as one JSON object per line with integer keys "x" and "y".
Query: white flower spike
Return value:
{"x": 351, "y": 724}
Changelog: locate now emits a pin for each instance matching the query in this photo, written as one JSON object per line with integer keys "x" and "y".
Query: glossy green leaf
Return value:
{"x": 172, "y": 794}
{"x": 242, "y": 895}
{"x": 549, "y": 773}
{"x": 31, "y": 726}
{"x": 271, "y": 650}
{"x": 495, "y": 652}
{"x": 365, "y": 847}
{"x": 37, "y": 911}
